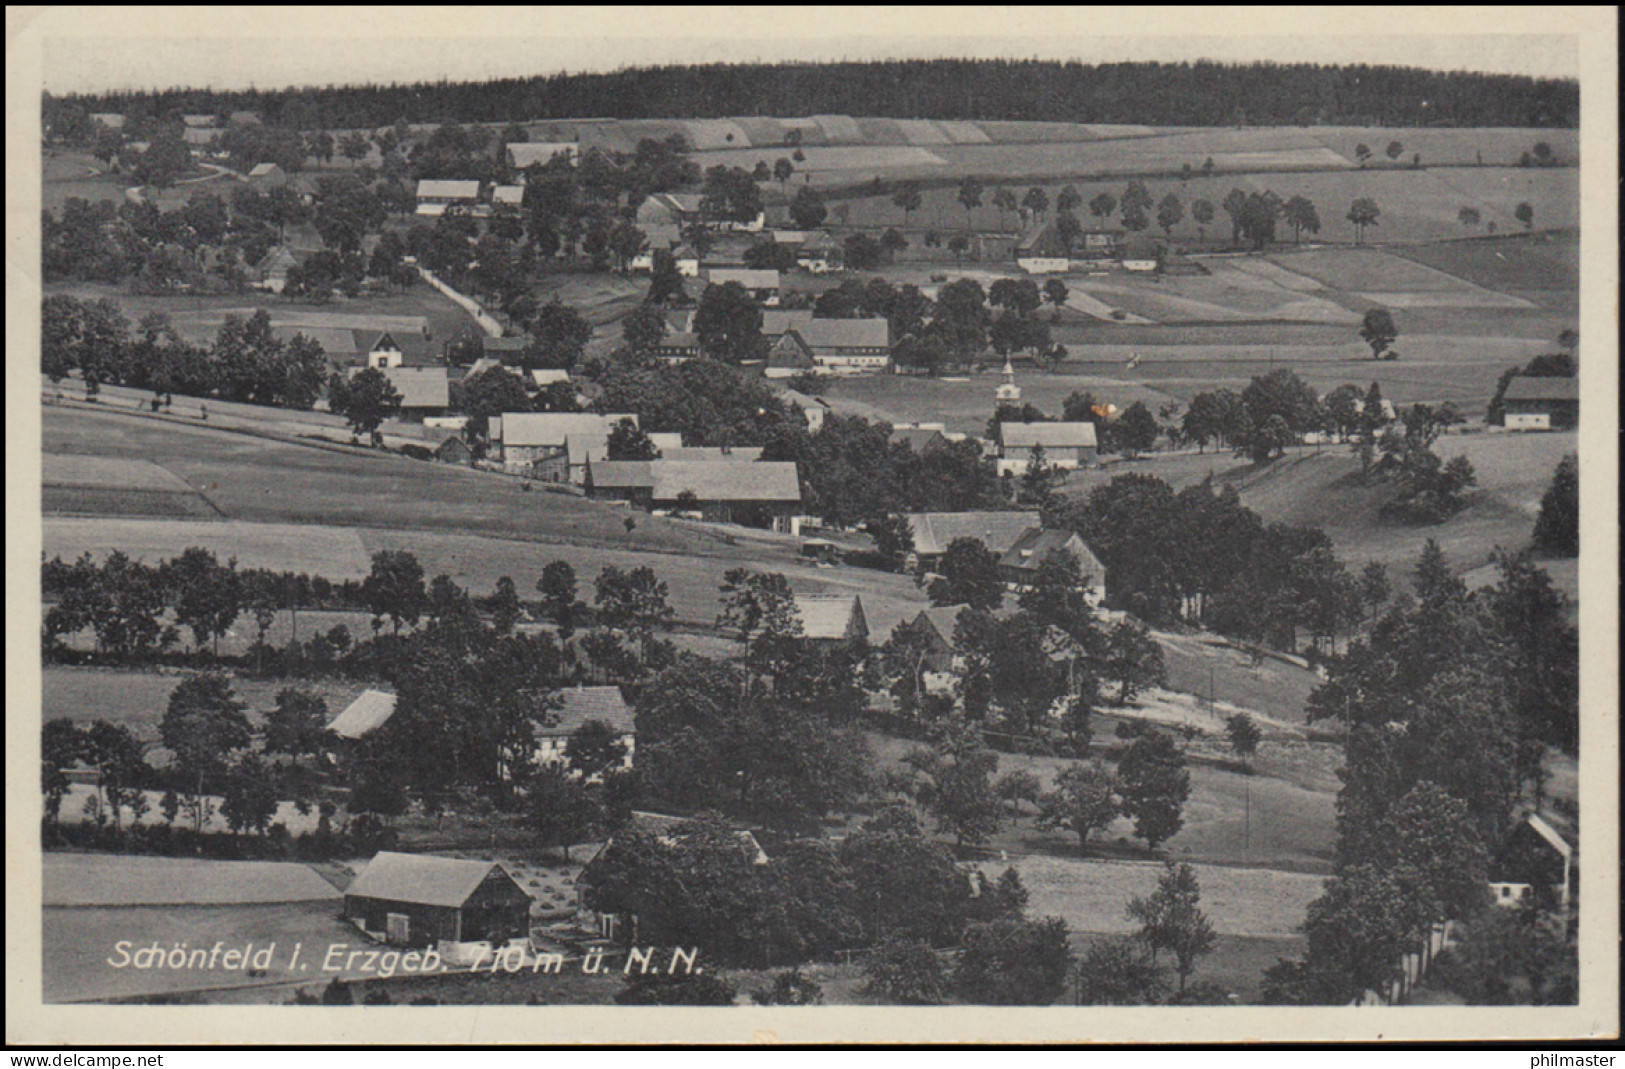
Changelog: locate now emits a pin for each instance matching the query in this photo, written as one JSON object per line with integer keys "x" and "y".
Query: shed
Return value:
{"x": 419, "y": 900}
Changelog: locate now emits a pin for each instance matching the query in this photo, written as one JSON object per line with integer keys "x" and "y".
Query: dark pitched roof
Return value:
{"x": 998, "y": 531}
{"x": 421, "y": 879}
{"x": 826, "y": 334}
{"x": 1048, "y": 435}
{"x": 1031, "y": 548}
{"x": 831, "y": 616}
{"x": 1543, "y": 388}
{"x": 582, "y": 704}
{"x": 919, "y": 439}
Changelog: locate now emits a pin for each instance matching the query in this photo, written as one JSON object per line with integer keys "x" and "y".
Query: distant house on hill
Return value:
{"x": 831, "y": 620}
{"x": 1541, "y": 403}
{"x": 523, "y": 154}
{"x": 435, "y": 195}
{"x": 1019, "y": 564}
{"x": 541, "y": 440}
{"x": 417, "y": 900}
{"x": 111, "y": 119}
{"x": 833, "y": 346}
{"x": 1065, "y": 445}
{"x": 934, "y": 532}
{"x": 758, "y": 494}
{"x": 580, "y": 705}
{"x": 200, "y": 136}
{"x": 267, "y": 176}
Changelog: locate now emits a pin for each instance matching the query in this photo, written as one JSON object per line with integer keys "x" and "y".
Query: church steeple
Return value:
{"x": 1008, "y": 392}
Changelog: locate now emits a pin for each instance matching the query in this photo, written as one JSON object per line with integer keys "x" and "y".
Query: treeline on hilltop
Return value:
{"x": 1177, "y": 94}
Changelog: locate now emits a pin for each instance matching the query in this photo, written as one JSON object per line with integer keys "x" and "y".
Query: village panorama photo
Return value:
{"x": 1078, "y": 527}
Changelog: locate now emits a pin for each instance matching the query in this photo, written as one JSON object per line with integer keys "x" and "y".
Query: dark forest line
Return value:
{"x": 1179, "y": 94}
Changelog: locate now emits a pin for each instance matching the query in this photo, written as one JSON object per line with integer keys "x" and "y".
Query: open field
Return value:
{"x": 137, "y": 700}
{"x": 197, "y": 317}
{"x": 1323, "y": 489}
{"x": 78, "y": 943}
{"x": 1542, "y": 268}
{"x": 1416, "y": 206}
{"x": 1091, "y": 896}
{"x": 78, "y": 174}
{"x": 116, "y": 880}
{"x": 1272, "y": 686}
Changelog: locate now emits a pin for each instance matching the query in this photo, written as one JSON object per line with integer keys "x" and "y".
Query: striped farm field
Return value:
{"x": 337, "y": 553}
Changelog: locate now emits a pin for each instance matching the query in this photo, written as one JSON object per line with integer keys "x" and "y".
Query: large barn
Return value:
{"x": 417, "y": 900}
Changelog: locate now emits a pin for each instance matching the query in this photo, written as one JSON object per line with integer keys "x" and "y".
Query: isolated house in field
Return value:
{"x": 763, "y": 286}
{"x": 541, "y": 440}
{"x": 829, "y": 621}
{"x": 934, "y": 532}
{"x": 435, "y": 195}
{"x": 454, "y": 450}
{"x": 1534, "y": 866}
{"x": 833, "y": 346}
{"x": 1019, "y": 564}
{"x": 418, "y": 900}
{"x": 757, "y": 494}
{"x": 425, "y": 391}
{"x": 1541, "y": 403}
{"x": 523, "y": 154}
{"x": 580, "y": 705}
{"x": 1064, "y": 445}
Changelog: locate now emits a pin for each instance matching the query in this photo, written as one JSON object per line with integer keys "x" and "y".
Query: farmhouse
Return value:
{"x": 670, "y": 209}
{"x": 813, "y": 409}
{"x": 836, "y": 346}
{"x": 271, "y": 273}
{"x": 677, "y": 347}
{"x": 506, "y": 350}
{"x": 425, "y": 391}
{"x": 1534, "y": 866}
{"x": 435, "y": 195}
{"x": 579, "y": 706}
{"x": 1141, "y": 253}
{"x": 454, "y": 451}
{"x": 531, "y": 153}
{"x": 1063, "y": 445}
{"x": 509, "y": 196}
{"x": 935, "y": 628}
{"x": 922, "y": 440}
{"x": 1541, "y": 403}
{"x": 267, "y": 175}
{"x": 667, "y": 830}
{"x": 762, "y": 285}
{"x": 934, "y": 532}
{"x": 758, "y": 494}
{"x": 418, "y": 900}
{"x": 388, "y": 349}
{"x": 1040, "y": 251}
{"x": 832, "y": 620}
{"x": 1019, "y": 564}
{"x": 542, "y": 439}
